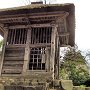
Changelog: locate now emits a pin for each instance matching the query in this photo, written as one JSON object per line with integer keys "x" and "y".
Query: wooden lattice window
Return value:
{"x": 41, "y": 35}
{"x": 17, "y": 36}
{"x": 37, "y": 58}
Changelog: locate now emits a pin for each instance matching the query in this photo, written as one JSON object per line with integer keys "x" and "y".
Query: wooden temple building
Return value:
{"x": 33, "y": 35}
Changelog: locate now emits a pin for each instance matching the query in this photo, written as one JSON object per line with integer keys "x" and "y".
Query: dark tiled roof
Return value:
{"x": 32, "y": 6}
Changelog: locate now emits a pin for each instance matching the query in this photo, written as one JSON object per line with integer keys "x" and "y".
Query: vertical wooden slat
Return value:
{"x": 41, "y": 59}
{"x": 37, "y": 61}
{"x": 11, "y": 36}
{"x": 43, "y": 34}
{"x": 32, "y": 35}
{"x": 19, "y": 36}
{"x": 14, "y": 36}
{"x": 25, "y": 36}
{"x": 8, "y": 38}
{"x": 49, "y": 34}
{"x": 33, "y": 60}
{"x": 40, "y": 35}
{"x": 36, "y": 34}
{"x": 48, "y": 58}
{"x": 22, "y": 36}
{"x": 46, "y": 30}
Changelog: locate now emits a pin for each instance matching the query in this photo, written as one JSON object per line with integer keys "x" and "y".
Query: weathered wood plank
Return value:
{"x": 14, "y": 58}
{"x": 13, "y": 54}
{"x": 13, "y": 67}
{"x": 11, "y": 71}
{"x": 13, "y": 62}
{"x": 16, "y": 46}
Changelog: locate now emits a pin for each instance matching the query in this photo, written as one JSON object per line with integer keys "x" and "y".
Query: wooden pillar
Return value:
{"x": 27, "y": 51}
{"x": 57, "y": 58}
{"x": 4, "y": 45}
{"x": 52, "y": 56}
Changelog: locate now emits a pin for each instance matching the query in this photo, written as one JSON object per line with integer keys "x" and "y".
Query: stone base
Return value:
{"x": 27, "y": 83}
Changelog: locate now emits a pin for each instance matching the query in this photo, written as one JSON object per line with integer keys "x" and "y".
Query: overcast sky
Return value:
{"x": 82, "y": 37}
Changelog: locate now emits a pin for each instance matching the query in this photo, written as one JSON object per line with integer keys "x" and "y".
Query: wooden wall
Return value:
{"x": 13, "y": 60}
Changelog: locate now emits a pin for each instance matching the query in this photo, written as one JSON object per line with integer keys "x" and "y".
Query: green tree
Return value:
{"x": 74, "y": 67}
{"x": 1, "y": 43}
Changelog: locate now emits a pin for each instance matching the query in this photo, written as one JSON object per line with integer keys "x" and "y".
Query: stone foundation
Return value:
{"x": 26, "y": 83}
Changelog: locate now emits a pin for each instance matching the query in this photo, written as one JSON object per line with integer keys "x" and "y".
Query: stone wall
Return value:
{"x": 24, "y": 83}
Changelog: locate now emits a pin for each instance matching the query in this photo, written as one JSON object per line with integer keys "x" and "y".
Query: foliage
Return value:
{"x": 74, "y": 67}
{"x": 87, "y": 83}
{"x": 1, "y": 43}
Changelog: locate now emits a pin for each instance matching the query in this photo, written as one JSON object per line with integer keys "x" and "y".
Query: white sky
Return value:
{"x": 82, "y": 18}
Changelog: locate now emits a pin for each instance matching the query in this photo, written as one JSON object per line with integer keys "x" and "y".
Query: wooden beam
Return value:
{"x": 40, "y": 45}
{"x": 32, "y": 25}
{"x": 16, "y": 45}
{"x": 34, "y": 15}
{"x": 41, "y": 25}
